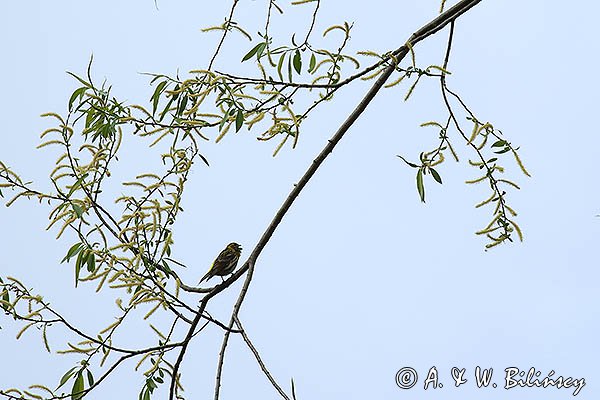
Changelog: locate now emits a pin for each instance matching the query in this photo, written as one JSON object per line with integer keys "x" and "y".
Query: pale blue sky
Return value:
{"x": 360, "y": 279}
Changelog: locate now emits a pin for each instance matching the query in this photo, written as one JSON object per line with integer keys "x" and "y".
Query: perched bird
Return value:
{"x": 225, "y": 262}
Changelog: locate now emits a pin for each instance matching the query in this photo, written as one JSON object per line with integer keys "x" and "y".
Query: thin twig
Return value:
{"x": 214, "y": 57}
{"x": 260, "y": 362}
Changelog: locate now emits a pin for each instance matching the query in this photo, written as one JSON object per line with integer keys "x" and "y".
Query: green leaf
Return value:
{"x": 204, "y": 159}
{"x": 156, "y": 95}
{"x": 420, "y": 187}
{"x": 298, "y": 61}
{"x": 72, "y": 251}
{"x": 77, "y": 93}
{"x": 290, "y": 68}
{"x": 254, "y": 50}
{"x": 223, "y": 121}
{"x": 66, "y": 377}
{"x": 166, "y": 109}
{"x": 504, "y": 150}
{"x": 82, "y": 258}
{"x": 177, "y": 93}
{"x": 89, "y": 117}
{"x": 90, "y": 377}
{"x": 78, "y": 210}
{"x": 182, "y": 105}
{"x": 6, "y": 298}
{"x": 260, "y": 50}
{"x": 313, "y": 63}
{"x": 87, "y": 84}
{"x": 91, "y": 262}
{"x": 436, "y": 176}
{"x": 76, "y": 392}
{"x": 239, "y": 120}
{"x": 151, "y": 385}
{"x": 408, "y": 162}
{"x": 279, "y": 65}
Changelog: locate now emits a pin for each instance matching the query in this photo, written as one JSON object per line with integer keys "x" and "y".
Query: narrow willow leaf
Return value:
{"x": 239, "y": 120}
{"x": 166, "y": 109}
{"x": 91, "y": 262}
{"x": 72, "y": 251}
{"x": 156, "y": 95}
{"x": 408, "y": 162}
{"x": 90, "y": 378}
{"x": 82, "y": 258}
{"x": 204, "y": 159}
{"x": 436, "y": 176}
{"x": 78, "y": 385}
{"x": 182, "y": 105}
{"x": 77, "y": 93}
{"x": 261, "y": 48}
{"x": 87, "y": 84}
{"x": 279, "y": 65}
{"x": 78, "y": 210}
{"x": 420, "y": 186}
{"x": 298, "y": 62}
{"x": 66, "y": 377}
{"x": 252, "y": 52}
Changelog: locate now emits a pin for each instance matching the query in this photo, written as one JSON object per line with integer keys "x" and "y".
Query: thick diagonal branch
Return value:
{"x": 427, "y": 30}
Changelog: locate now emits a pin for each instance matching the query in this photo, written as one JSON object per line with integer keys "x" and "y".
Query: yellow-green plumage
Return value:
{"x": 225, "y": 262}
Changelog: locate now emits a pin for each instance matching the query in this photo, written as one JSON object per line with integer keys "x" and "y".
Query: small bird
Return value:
{"x": 225, "y": 262}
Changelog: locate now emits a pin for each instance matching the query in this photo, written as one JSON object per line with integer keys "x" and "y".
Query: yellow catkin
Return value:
{"x": 11, "y": 201}
{"x": 154, "y": 366}
{"x": 159, "y": 333}
{"x": 373, "y": 75}
{"x": 159, "y": 139}
{"x": 119, "y": 140}
{"x": 22, "y": 331}
{"x": 144, "y": 357}
{"x": 50, "y": 142}
{"x": 509, "y": 183}
{"x": 41, "y": 387}
{"x": 151, "y": 132}
{"x": 47, "y": 131}
{"x": 32, "y": 395}
{"x": 486, "y": 201}
{"x": 51, "y": 114}
{"x": 520, "y": 163}
{"x": 476, "y": 180}
{"x": 149, "y": 313}
{"x": 396, "y": 82}
{"x": 519, "y": 233}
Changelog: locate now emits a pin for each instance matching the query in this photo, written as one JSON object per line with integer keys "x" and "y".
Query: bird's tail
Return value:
{"x": 205, "y": 277}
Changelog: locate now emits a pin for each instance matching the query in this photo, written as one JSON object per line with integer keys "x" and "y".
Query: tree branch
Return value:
{"x": 427, "y": 30}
